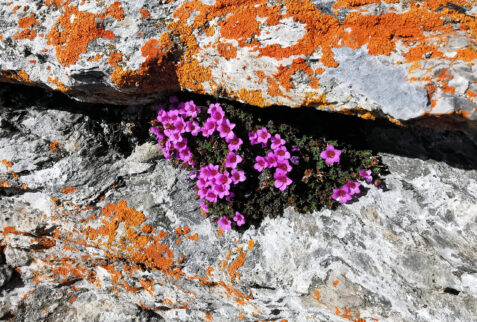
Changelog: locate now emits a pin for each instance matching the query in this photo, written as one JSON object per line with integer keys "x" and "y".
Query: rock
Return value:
{"x": 369, "y": 58}
{"x": 99, "y": 226}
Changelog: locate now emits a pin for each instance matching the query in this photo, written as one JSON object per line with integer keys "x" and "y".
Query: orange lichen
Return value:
{"x": 251, "y": 243}
{"x": 25, "y": 34}
{"x": 59, "y": 85}
{"x": 227, "y": 51}
{"x": 72, "y": 33}
{"x": 115, "y": 58}
{"x": 144, "y": 13}
{"x": 7, "y": 164}
{"x": 194, "y": 237}
{"x": 115, "y": 10}
{"x": 27, "y": 22}
{"x": 157, "y": 72}
{"x": 236, "y": 264}
{"x": 335, "y": 283}
{"x": 182, "y": 230}
{"x": 68, "y": 190}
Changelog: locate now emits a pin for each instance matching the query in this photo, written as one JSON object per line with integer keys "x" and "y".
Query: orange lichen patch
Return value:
{"x": 284, "y": 73}
{"x": 251, "y": 243}
{"x": 367, "y": 116}
{"x": 148, "y": 286}
{"x": 335, "y": 283}
{"x": 17, "y": 76}
{"x": 96, "y": 57}
{"x": 182, "y": 230}
{"x": 25, "y": 34}
{"x": 234, "y": 293}
{"x": 5, "y": 184}
{"x": 157, "y": 72}
{"x": 7, "y": 164}
{"x": 115, "y": 58}
{"x": 144, "y": 13}
{"x": 1, "y": 37}
{"x": 315, "y": 100}
{"x": 466, "y": 54}
{"x": 423, "y": 51}
{"x": 194, "y": 237}
{"x": 27, "y": 22}
{"x": 115, "y": 10}
{"x": 53, "y": 146}
{"x": 253, "y": 97}
{"x": 72, "y": 33}
{"x": 471, "y": 95}
{"x": 14, "y": 10}
{"x": 59, "y": 85}
{"x": 236, "y": 264}
{"x": 122, "y": 213}
{"x": 442, "y": 77}
{"x": 227, "y": 50}
{"x": 68, "y": 190}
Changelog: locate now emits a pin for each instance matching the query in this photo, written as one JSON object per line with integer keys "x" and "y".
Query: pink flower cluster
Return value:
{"x": 175, "y": 124}
{"x": 225, "y": 224}
{"x": 278, "y": 158}
{"x": 345, "y": 193}
{"x": 330, "y": 155}
{"x": 212, "y": 184}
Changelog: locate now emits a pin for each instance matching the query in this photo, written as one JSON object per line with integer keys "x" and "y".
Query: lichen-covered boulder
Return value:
{"x": 396, "y": 58}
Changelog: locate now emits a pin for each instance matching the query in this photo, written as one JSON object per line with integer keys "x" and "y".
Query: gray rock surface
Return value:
{"x": 399, "y": 59}
{"x": 404, "y": 254}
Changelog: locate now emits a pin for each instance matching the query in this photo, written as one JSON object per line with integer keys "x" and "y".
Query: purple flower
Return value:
{"x": 271, "y": 160}
{"x": 185, "y": 155}
{"x": 193, "y": 127}
{"x": 232, "y": 160}
{"x": 190, "y": 109}
{"x": 239, "y": 219}
{"x": 234, "y": 143}
{"x": 193, "y": 175}
{"x": 295, "y": 160}
{"x": 284, "y": 166}
{"x": 353, "y": 187}
{"x": 221, "y": 190}
{"x": 366, "y": 175}
{"x": 224, "y": 223}
{"x": 180, "y": 125}
{"x": 263, "y": 135}
{"x": 208, "y": 172}
{"x": 295, "y": 148}
{"x": 211, "y": 196}
{"x": 214, "y": 108}
{"x": 281, "y": 180}
{"x": 180, "y": 145}
{"x": 342, "y": 194}
{"x": 238, "y": 176}
{"x": 208, "y": 128}
{"x": 277, "y": 141}
{"x": 217, "y": 116}
{"x": 260, "y": 164}
{"x": 225, "y": 129}
{"x": 202, "y": 183}
{"x": 282, "y": 153}
{"x": 331, "y": 155}
{"x": 223, "y": 179}
{"x": 252, "y": 136}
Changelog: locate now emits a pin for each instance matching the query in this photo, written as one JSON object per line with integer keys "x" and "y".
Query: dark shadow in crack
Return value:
{"x": 448, "y": 139}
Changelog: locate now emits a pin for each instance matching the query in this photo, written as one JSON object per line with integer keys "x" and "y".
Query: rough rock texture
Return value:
{"x": 97, "y": 226}
{"x": 398, "y": 58}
